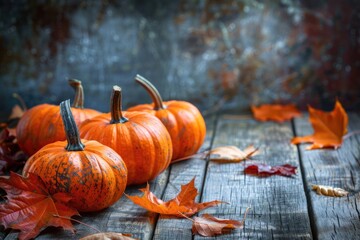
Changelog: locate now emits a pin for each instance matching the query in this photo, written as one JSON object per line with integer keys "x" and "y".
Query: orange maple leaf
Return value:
{"x": 183, "y": 204}
{"x": 275, "y": 112}
{"x": 329, "y": 128}
{"x": 30, "y": 208}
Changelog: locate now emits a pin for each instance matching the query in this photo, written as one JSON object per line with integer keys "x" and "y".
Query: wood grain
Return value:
{"x": 278, "y": 204}
{"x": 334, "y": 218}
{"x": 182, "y": 173}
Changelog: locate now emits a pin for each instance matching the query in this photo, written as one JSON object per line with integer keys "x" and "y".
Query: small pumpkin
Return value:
{"x": 182, "y": 119}
{"x": 140, "y": 138}
{"x": 93, "y": 174}
{"x": 42, "y": 124}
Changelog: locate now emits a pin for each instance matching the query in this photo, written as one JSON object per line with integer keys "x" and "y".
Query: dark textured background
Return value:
{"x": 204, "y": 51}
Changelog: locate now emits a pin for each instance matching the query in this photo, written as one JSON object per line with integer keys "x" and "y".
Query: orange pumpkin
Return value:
{"x": 140, "y": 138}
{"x": 93, "y": 174}
{"x": 42, "y": 124}
{"x": 183, "y": 120}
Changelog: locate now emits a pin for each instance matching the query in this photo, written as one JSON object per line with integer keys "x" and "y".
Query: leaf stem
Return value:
{"x": 77, "y": 221}
{"x": 350, "y": 134}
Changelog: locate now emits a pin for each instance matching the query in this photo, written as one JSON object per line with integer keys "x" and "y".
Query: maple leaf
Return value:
{"x": 264, "y": 170}
{"x": 329, "y": 128}
{"x": 329, "y": 191}
{"x": 30, "y": 208}
{"x": 108, "y": 235}
{"x": 183, "y": 204}
{"x": 275, "y": 112}
{"x": 208, "y": 225}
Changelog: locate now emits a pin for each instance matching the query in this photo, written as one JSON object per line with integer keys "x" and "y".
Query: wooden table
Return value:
{"x": 281, "y": 207}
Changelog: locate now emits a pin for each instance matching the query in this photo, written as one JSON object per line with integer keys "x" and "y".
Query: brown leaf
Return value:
{"x": 108, "y": 236}
{"x": 208, "y": 225}
{"x": 16, "y": 112}
{"x": 275, "y": 112}
{"x": 30, "y": 208}
{"x": 329, "y": 191}
{"x": 225, "y": 154}
{"x": 329, "y": 128}
{"x": 264, "y": 170}
{"x": 183, "y": 204}
{"x": 232, "y": 153}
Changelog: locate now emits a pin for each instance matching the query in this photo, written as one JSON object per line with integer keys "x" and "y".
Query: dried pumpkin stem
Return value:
{"x": 79, "y": 93}
{"x": 154, "y": 93}
{"x": 71, "y": 130}
{"x": 116, "y": 106}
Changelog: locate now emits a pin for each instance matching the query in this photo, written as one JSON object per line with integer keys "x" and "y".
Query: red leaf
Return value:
{"x": 275, "y": 112}
{"x": 329, "y": 128}
{"x": 264, "y": 170}
{"x": 30, "y": 208}
{"x": 183, "y": 204}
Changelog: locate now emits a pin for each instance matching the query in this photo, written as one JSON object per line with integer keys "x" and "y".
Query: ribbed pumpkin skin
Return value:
{"x": 42, "y": 125}
{"x": 143, "y": 143}
{"x": 184, "y": 123}
{"x": 95, "y": 177}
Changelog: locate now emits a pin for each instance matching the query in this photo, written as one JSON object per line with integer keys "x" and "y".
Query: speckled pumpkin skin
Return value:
{"x": 184, "y": 123}
{"x": 143, "y": 142}
{"x": 42, "y": 125}
{"x": 95, "y": 177}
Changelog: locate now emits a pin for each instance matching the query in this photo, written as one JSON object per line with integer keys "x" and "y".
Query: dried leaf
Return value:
{"x": 275, "y": 112}
{"x": 183, "y": 204}
{"x": 329, "y": 128}
{"x": 264, "y": 170}
{"x": 232, "y": 153}
{"x": 208, "y": 225}
{"x": 30, "y": 208}
{"x": 16, "y": 112}
{"x": 108, "y": 236}
{"x": 11, "y": 156}
{"x": 329, "y": 191}
{"x": 224, "y": 154}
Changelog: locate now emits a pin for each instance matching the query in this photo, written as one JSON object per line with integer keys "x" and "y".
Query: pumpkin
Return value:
{"x": 42, "y": 124}
{"x": 93, "y": 174}
{"x": 138, "y": 137}
{"x": 183, "y": 120}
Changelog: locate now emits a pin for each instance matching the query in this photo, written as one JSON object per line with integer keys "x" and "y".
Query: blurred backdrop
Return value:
{"x": 235, "y": 52}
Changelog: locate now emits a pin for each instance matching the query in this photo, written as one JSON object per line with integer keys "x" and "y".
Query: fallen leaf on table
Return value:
{"x": 183, "y": 204}
{"x": 11, "y": 156}
{"x": 108, "y": 236}
{"x": 208, "y": 225}
{"x": 275, "y": 112}
{"x": 232, "y": 153}
{"x": 225, "y": 154}
{"x": 329, "y": 191}
{"x": 329, "y": 128}
{"x": 30, "y": 208}
{"x": 264, "y": 170}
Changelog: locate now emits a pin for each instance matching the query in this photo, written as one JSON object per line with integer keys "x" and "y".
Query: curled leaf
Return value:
{"x": 264, "y": 170}
{"x": 232, "y": 153}
{"x": 329, "y": 191}
{"x": 208, "y": 225}
{"x": 108, "y": 236}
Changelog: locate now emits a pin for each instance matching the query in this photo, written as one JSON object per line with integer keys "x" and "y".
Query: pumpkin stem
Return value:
{"x": 116, "y": 106}
{"x": 79, "y": 93}
{"x": 21, "y": 101}
{"x": 71, "y": 130}
{"x": 154, "y": 93}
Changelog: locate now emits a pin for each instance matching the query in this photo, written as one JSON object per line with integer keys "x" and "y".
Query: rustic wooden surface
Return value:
{"x": 281, "y": 207}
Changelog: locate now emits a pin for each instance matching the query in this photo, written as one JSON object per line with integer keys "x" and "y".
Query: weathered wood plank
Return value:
{"x": 334, "y": 218}
{"x": 122, "y": 217}
{"x": 181, "y": 173}
{"x": 278, "y": 204}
